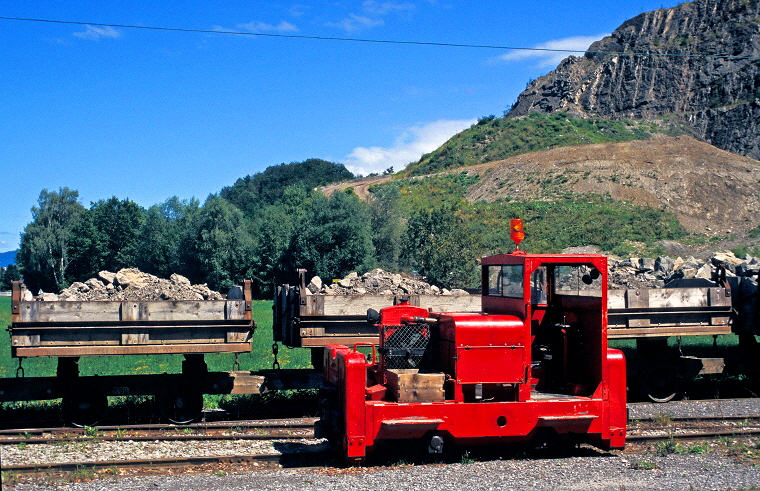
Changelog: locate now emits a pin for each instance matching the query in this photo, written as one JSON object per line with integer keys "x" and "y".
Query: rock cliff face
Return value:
{"x": 698, "y": 62}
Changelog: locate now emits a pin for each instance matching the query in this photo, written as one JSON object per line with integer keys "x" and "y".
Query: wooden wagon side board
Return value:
{"x": 92, "y": 328}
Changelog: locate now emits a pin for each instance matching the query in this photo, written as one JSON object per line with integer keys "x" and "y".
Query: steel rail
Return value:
{"x": 697, "y": 435}
{"x": 155, "y": 437}
{"x": 150, "y": 463}
{"x": 689, "y": 401}
{"x": 697, "y": 419}
{"x": 252, "y": 424}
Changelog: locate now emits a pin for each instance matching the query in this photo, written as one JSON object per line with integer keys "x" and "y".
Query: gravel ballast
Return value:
{"x": 638, "y": 468}
{"x": 616, "y": 473}
{"x": 722, "y": 408}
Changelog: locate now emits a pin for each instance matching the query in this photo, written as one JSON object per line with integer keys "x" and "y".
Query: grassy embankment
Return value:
{"x": 259, "y": 358}
{"x": 566, "y": 220}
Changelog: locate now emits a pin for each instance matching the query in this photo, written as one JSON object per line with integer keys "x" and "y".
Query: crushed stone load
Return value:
{"x": 630, "y": 273}
{"x": 635, "y": 273}
{"x": 131, "y": 284}
{"x": 378, "y": 282}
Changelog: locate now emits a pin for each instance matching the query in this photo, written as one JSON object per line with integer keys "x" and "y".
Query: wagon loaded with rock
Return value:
{"x": 314, "y": 314}
{"x": 130, "y": 313}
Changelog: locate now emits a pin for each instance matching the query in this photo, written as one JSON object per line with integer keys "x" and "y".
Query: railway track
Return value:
{"x": 226, "y": 430}
{"x": 301, "y": 459}
{"x": 319, "y": 456}
{"x": 678, "y": 429}
{"x": 290, "y": 453}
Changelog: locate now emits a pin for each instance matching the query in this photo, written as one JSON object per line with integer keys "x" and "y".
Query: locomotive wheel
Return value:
{"x": 84, "y": 408}
{"x": 660, "y": 383}
{"x": 181, "y": 407}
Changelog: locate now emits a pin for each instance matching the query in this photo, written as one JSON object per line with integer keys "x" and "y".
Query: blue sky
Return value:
{"x": 149, "y": 114}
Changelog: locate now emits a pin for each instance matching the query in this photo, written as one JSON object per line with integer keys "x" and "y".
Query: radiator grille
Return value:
{"x": 404, "y": 346}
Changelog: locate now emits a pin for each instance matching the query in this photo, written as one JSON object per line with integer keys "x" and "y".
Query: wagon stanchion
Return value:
{"x": 275, "y": 350}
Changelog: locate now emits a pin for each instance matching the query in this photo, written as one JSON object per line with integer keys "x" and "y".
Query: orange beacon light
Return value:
{"x": 516, "y": 231}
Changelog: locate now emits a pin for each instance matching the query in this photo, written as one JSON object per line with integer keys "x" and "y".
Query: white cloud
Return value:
{"x": 409, "y": 146}
{"x": 547, "y": 58}
{"x": 372, "y": 13}
{"x": 382, "y": 8}
{"x": 356, "y": 22}
{"x": 298, "y": 10}
{"x": 94, "y": 33}
{"x": 283, "y": 26}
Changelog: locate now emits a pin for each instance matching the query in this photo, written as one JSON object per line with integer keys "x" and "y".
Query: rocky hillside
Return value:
{"x": 697, "y": 63}
{"x": 711, "y": 191}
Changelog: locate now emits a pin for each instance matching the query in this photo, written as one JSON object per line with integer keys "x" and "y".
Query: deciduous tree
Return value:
{"x": 163, "y": 234}
{"x": 44, "y": 249}
{"x": 336, "y": 237}
{"x": 223, "y": 244}
{"x": 438, "y": 245}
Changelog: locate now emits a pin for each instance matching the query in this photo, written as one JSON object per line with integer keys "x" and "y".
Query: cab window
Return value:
{"x": 505, "y": 280}
{"x": 582, "y": 280}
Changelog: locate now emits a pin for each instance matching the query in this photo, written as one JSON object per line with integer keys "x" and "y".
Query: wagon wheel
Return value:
{"x": 84, "y": 407}
{"x": 181, "y": 407}
{"x": 317, "y": 358}
{"x": 659, "y": 383}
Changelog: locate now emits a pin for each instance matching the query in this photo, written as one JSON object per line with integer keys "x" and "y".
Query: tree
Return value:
{"x": 335, "y": 236}
{"x": 223, "y": 245}
{"x": 163, "y": 234}
{"x": 44, "y": 249}
{"x": 274, "y": 228}
{"x": 10, "y": 273}
{"x": 388, "y": 225}
{"x": 439, "y": 246}
{"x": 266, "y": 188}
{"x": 84, "y": 248}
{"x": 117, "y": 225}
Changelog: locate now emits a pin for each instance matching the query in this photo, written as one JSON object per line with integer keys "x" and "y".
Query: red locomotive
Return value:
{"x": 534, "y": 362}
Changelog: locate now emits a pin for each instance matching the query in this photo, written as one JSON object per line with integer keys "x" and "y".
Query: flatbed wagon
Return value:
{"x": 69, "y": 330}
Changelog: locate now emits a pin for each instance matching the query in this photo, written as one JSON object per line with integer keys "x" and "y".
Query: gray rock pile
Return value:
{"x": 131, "y": 284}
{"x": 656, "y": 273}
{"x": 378, "y": 282}
{"x": 627, "y": 273}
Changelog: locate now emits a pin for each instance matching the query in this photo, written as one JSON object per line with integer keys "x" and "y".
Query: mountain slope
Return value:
{"x": 710, "y": 190}
{"x": 7, "y": 258}
{"x": 706, "y": 73}
{"x": 499, "y": 138}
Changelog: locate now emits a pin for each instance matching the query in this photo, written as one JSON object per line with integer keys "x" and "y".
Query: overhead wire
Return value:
{"x": 378, "y": 41}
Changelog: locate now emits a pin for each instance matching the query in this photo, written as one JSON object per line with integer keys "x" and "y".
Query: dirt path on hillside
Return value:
{"x": 360, "y": 186}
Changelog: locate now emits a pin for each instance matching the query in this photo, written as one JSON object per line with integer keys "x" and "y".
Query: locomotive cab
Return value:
{"x": 562, "y": 302}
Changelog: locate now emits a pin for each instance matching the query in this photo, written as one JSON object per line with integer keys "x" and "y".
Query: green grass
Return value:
{"x": 701, "y": 346}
